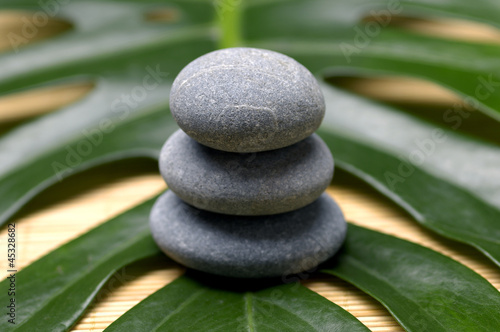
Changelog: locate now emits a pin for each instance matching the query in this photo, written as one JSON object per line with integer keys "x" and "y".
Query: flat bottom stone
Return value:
{"x": 248, "y": 246}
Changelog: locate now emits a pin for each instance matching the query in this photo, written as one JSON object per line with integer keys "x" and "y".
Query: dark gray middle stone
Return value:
{"x": 261, "y": 183}
{"x": 248, "y": 247}
{"x": 246, "y": 100}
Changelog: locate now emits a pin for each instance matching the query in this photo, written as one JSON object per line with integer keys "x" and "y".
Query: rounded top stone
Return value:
{"x": 246, "y": 100}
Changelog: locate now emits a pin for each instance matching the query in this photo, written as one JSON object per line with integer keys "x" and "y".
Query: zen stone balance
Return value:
{"x": 246, "y": 172}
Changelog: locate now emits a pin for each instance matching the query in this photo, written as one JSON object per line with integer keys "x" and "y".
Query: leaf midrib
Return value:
{"x": 249, "y": 311}
{"x": 292, "y": 313}
{"x": 179, "y": 308}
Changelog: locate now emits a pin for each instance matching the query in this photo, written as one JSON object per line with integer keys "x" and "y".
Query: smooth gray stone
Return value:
{"x": 260, "y": 183}
{"x": 248, "y": 247}
{"x": 246, "y": 100}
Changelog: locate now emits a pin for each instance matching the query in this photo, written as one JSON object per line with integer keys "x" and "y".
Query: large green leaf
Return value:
{"x": 124, "y": 116}
{"x": 110, "y": 39}
{"x": 52, "y": 293}
{"x": 204, "y": 304}
{"x": 329, "y": 35}
{"x": 114, "y": 46}
{"x": 445, "y": 192}
{"x": 89, "y": 133}
{"x": 423, "y": 290}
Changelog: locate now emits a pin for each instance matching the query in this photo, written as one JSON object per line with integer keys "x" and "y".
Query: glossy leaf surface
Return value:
{"x": 429, "y": 171}
{"x": 52, "y": 293}
{"x": 198, "y": 304}
{"x": 132, "y": 62}
{"x": 423, "y": 290}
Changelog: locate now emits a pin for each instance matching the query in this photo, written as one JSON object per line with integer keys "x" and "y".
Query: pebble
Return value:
{"x": 246, "y": 100}
{"x": 248, "y": 247}
{"x": 260, "y": 183}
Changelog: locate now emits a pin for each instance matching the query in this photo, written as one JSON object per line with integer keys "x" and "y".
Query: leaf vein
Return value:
{"x": 184, "y": 304}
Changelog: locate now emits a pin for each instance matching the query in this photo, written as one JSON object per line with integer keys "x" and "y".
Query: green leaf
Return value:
{"x": 113, "y": 45}
{"x": 329, "y": 36}
{"x": 125, "y": 115}
{"x": 110, "y": 38}
{"x": 444, "y": 192}
{"x": 205, "y": 304}
{"x": 423, "y": 290}
{"x": 88, "y": 134}
{"x": 52, "y": 293}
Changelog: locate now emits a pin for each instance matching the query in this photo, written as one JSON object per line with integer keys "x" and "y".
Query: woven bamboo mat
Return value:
{"x": 78, "y": 204}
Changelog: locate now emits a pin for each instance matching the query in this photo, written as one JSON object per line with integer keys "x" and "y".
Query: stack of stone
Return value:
{"x": 246, "y": 173}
